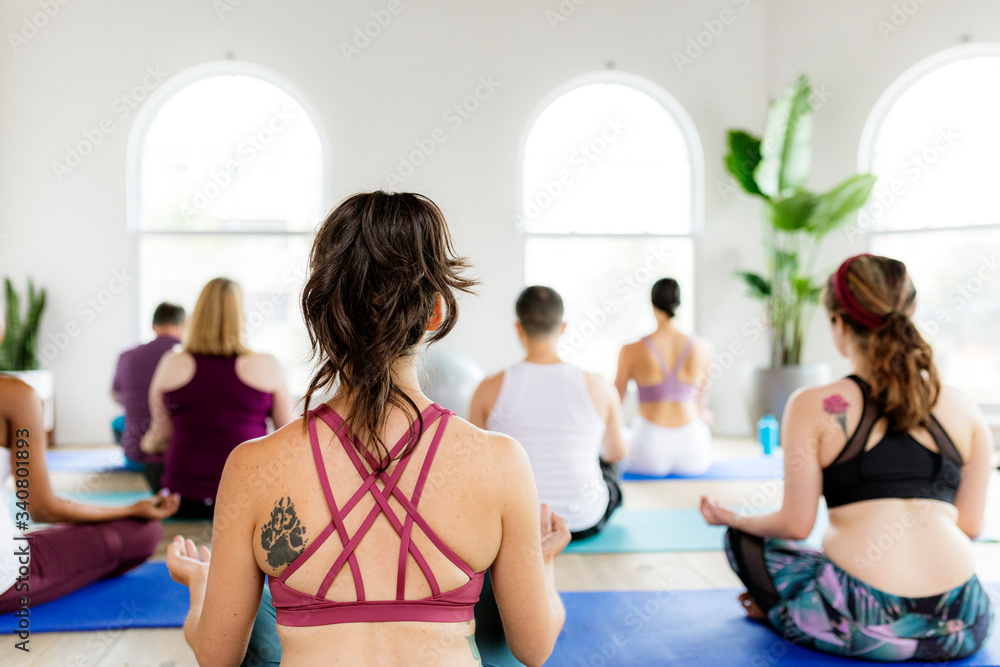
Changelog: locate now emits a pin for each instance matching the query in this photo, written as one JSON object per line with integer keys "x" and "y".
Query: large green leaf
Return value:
{"x": 794, "y": 213}
{"x": 786, "y": 148}
{"x": 743, "y": 158}
{"x": 806, "y": 290}
{"x": 759, "y": 287}
{"x": 835, "y": 206}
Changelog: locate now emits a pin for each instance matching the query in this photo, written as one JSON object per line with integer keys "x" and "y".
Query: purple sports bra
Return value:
{"x": 295, "y": 608}
{"x": 670, "y": 389}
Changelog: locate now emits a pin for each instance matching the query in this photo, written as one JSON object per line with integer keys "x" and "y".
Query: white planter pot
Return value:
{"x": 43, "y": 382}
{"x": 768, "y": 389}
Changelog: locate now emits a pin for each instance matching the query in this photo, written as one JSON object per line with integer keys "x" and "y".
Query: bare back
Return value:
{"x": 908, "y": 547}
{"x": 639, "y": 363}
{"x": 460, "y": 501}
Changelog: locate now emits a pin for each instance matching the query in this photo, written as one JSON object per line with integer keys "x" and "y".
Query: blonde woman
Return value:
{"x": 211, "y": 396}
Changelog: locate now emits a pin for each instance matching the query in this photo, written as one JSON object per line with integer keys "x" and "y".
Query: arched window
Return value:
{"x": 933, "y": 141}
{"x": 611, "y": 187}
{"x": 227, "y": 180}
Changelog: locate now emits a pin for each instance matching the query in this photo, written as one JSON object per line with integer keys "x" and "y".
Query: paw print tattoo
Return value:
{"x": 283, "y": 538}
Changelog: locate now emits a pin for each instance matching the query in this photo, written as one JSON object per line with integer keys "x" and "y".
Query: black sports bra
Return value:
{"x": 896, "y": 467}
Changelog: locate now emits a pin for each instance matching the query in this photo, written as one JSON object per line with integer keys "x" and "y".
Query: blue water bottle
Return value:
{"x": 767, "y": 434}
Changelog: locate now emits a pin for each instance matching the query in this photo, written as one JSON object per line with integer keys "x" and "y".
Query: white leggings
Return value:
{"x": 661, "y": 450}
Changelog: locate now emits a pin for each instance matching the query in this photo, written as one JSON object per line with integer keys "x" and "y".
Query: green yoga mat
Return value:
{"x": 631, "y": 531}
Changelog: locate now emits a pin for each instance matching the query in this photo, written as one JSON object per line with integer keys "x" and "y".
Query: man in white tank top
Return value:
{"x": 568, "y": 421}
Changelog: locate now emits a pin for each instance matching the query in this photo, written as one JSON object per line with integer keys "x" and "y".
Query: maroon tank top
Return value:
{"x": 211, "y": 415}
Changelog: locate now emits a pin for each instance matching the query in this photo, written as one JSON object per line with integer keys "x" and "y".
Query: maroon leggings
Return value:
{"x": 68, "y": 557}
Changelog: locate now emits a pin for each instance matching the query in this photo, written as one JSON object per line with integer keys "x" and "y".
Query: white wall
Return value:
{"x": 71, "y": 236}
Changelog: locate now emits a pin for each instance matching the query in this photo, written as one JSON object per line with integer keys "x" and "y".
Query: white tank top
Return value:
{"x": 547, "y": 408}
{"x": 8, "y": 560}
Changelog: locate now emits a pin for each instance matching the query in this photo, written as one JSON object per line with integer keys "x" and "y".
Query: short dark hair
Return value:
{"x": 666, "y": 295}
{"x": 539, "y": 310}
{"x": 168, "y": 314}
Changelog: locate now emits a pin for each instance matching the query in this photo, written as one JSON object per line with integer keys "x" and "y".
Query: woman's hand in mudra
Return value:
{"x": 184, "y": 564}
{"x": 716, "y": 515}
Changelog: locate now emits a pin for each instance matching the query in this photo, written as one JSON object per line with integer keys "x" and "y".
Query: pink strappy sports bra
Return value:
{"x": 670, "y": 388}
{"x": 295, "y": 608}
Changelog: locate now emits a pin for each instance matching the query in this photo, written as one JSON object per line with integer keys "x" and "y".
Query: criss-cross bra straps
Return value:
{"x": 663, "y": 364}
{"x": 381, "y": 495}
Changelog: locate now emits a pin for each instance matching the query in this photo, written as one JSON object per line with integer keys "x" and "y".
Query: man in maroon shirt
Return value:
{"x": 131, "y": 386}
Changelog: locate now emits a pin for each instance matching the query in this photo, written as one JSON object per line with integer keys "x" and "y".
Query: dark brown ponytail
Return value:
{"x": 875, "y": 296}
{"x": 376, "y": 267}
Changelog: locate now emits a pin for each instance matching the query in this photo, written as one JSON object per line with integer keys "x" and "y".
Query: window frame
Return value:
{"x": 876, "y": 119}
{"x": 136, "y": 143}
{"x": 692, "y": 140}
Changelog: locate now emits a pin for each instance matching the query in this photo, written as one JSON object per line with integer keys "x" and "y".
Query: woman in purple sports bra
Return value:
{"x": 375, "y": 517}
{"x": 209, "y": 397}
{"x": 670, "y": 433}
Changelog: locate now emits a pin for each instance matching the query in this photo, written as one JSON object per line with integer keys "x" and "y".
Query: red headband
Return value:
{"x": 847, "y": 300}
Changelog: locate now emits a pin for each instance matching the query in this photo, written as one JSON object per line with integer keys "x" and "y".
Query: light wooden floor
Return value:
{"x": 574, "y": 572}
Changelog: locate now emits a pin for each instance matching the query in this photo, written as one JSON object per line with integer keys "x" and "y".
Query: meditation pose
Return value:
{"x": 903, "y": 464}
{"x": 568, "y": 421}
{"x": 375, "y": 516}
{"x": 670, "y": 434}
{"x": 130, "y": 388}
{"x": 91, "y": 542}
{"x": 210, "y": 396}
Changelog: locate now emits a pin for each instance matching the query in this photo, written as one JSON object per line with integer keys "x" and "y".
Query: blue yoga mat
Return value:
{"x": 145, "y": 597}
{"x": 744, "y": 467}
{"x": 631, "y": 531}
{"x": 86, "y": 460}
{"x": 704, "y": 628}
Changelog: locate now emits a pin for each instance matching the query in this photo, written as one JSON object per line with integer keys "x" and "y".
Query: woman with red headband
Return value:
{"x": 903, "y": 464}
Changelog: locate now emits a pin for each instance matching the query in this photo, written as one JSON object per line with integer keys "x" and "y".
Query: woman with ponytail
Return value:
{"x": 375, "y": 516}
{"x": 903, "y": 464}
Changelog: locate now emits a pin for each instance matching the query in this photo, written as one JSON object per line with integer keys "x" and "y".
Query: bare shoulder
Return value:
{"x": 271, "y": 458}
{"x": 834, "y": 398}
{"x": 492, "y": 382}
{"x": 259, "y": 361}
{"x": 495, "y": 454}
{"x": 599, "y": 386}
{"x": 954, "y": 400}
{"x": 701, "y": 347}
{"x": 488, "y": 391}
{"x": 176, "y": 368}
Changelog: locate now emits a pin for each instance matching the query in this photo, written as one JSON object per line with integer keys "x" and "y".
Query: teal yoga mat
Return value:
{"x": 87, "y": 460}
{"x": 632, "y": 531}
{"x": 111, "y": 498}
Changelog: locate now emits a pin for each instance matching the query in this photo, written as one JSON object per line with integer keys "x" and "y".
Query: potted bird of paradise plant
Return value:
{"x": 775, "y": 168}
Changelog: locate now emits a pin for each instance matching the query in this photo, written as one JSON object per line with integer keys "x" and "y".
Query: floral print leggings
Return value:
{"x": 813, "y": 603}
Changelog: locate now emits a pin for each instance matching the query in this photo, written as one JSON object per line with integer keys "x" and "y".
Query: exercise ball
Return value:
{"x": 450, "y": 378}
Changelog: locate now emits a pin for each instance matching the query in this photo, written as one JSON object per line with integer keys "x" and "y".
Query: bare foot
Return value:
{"x": 751, "y": 607}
